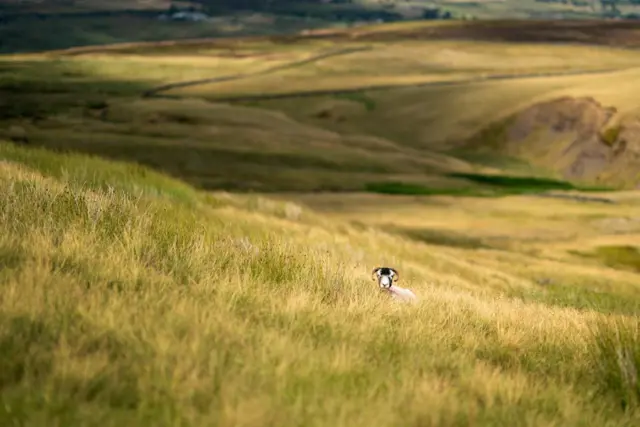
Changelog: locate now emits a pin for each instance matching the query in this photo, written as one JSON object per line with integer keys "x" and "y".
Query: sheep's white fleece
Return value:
{"x": 401, "y": 293}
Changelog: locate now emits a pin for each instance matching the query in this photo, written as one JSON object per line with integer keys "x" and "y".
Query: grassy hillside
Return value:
{"x": 138, "y": 300}
{"x": 130, "y": 297}
{"x": 417, "y": 105}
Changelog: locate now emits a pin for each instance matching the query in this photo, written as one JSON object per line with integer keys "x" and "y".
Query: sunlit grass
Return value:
{"x": 414, "y": 125}
{"x": 151, "y": 69}
{"x": 131, "y": 298}
{"x": 122, "y": 306}
{"x": 406, "y": 63}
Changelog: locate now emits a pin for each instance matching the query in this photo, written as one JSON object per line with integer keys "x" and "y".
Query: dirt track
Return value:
{"x": 324, "y": 55}
{"x": 624, "y": 34}
{"x": 298, "y": 94}
{"x": 577, "y": 198}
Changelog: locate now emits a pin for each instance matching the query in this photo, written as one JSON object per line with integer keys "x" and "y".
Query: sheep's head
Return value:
{"x": 385, "y": 276}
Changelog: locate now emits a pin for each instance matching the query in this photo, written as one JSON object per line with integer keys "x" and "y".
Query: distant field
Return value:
{"x": 32, "y": 33}
{"x": 418, "y": 102}
{"x": 481, "y": 9}
{"x": 549, "y": 227}
{"x": 346, "y": 100}
{"x": 439, "y": 117}
{"x": 412, "y": 63}
{"x": 528, "y": 9}
{"x": 34, "y": 25}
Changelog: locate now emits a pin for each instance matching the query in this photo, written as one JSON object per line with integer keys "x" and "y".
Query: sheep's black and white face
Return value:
{"x": 385, "y": 276}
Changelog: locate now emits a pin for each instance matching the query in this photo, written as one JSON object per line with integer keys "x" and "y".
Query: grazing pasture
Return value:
{"x": 189, "y": 230}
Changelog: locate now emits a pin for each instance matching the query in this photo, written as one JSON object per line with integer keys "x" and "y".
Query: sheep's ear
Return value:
{"x": 373, "y": 273}
{"x": 396, "y": 276}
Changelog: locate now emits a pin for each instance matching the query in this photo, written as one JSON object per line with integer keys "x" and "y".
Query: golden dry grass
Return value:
{"x": 130, "y": 298}
{"x": 403, "y": 63}
{"x": 156, "y": 69}
{"x": 433, "y": 116}
{"x": 438, "y": 118}
{"x": 329, "y": 136}
{"x": 136, "y": 300}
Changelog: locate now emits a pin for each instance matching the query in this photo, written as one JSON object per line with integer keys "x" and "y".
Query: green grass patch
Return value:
{"x": 403, "y": 188}
{"x": 492, "y": 137}
{"x": 581, "y": 298}
{"x": 516, "y": 183}
{"x": 96, "y": 173}
{"x": 481, "y": 185}
{"x": 610, "y": 135}
{"x": 623, "y": 257}
{"x": 626, "y": 257}
{"x": 361, "y": 98}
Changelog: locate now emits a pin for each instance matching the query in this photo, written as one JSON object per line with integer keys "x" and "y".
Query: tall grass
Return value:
{"x": 139, "y": 308}
{"x": 617, "y": 345}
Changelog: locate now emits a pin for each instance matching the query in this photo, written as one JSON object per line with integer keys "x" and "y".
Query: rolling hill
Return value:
{"x": 129, "y": 297}
{"x": 189, "y": 229}
{"x": 414, "y": 104}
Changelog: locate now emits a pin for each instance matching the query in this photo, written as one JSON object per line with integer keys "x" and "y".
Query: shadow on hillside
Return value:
{"x": 34, "y": 90}
{"x": 43, "y": 32}
{"x": 58, "y": 106}
{"x": 438, "y": 237}
{"x": 55, "y": 76}
{"x": 580, "y": 298}
{"x": 37, "y": 33}
{"x": 618, "y": 257}
{"x": 477, "y": 185}
{"x": 66, "y": 107}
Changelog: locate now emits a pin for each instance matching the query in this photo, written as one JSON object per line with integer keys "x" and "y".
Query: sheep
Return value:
{"x": 385, "y": 277}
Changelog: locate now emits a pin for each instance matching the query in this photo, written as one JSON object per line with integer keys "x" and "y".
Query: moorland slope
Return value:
{"x": 130, "y": 297}
{"x": 352, "y": 109}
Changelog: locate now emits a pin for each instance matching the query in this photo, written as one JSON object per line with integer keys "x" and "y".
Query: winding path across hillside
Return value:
{"x": 480, "y": 79}
{"x": 293, "y": 64}
{"x": 157, "y": 91}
